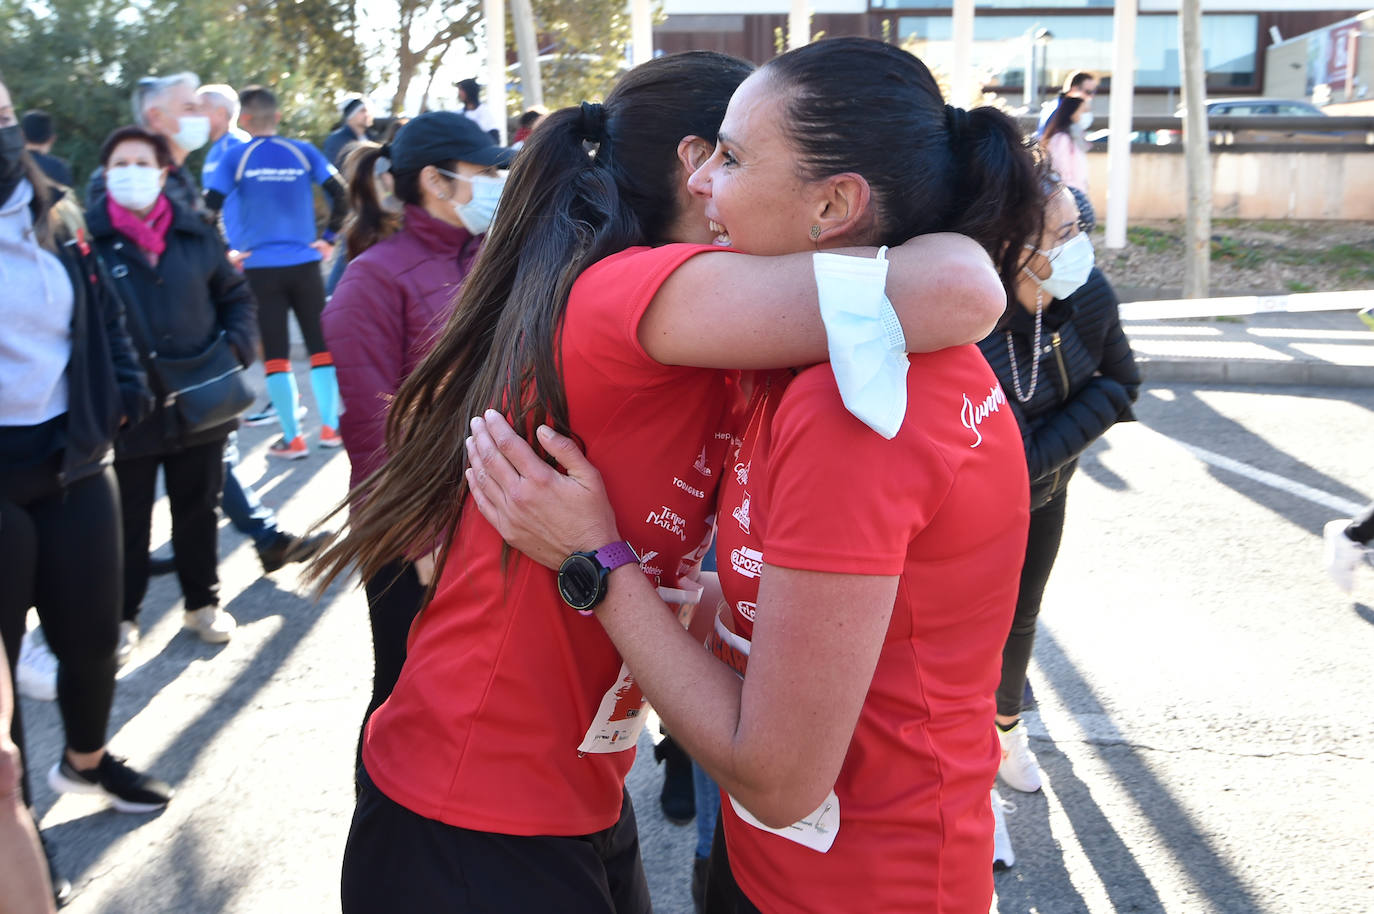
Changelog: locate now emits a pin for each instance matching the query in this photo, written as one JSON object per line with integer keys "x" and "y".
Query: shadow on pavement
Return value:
{"x": 1125, "y": 883}
{"x": 1221, "y": 434}
{"x": 1365, "y": 613}
{"x": 1091, "y": 465}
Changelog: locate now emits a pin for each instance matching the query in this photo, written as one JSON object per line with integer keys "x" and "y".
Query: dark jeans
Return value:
{"x": 60, "y": 550}
{"x": 299, "y": 289}
{"x": 1042, "y": 547}
{"x": 399, "y": 861}
{"x": 394, "y": 598}
{"x": 194, "y": 480}
{"x": 1361, "y": 529}
{"x": 241, "y": 504}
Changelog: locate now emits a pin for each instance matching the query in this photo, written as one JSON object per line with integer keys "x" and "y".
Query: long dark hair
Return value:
{"x": 864, "y": 106}
{"x": 1062, "y": 118}
{"x": 590, "y": 182}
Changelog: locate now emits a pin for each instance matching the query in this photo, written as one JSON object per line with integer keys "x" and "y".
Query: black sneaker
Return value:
{"x": 265, "y": 416}
{"x": 701, "y": 866}
{"x": 128, "y": 790}
{"x": 678, "y": 797}
{"x": 288, "y": 548}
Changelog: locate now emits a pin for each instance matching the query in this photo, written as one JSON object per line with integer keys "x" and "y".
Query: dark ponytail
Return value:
{"x": 1062, "y": 117}
{"x": 590, "y": 182}
{"x": 368, "y": 222}
{"x": 867, "y": 107}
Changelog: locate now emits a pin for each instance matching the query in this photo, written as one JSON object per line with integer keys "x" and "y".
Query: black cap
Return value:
{"x": 443, "y": 136}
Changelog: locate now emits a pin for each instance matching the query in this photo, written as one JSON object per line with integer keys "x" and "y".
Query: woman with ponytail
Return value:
{"x": 867, "y": 580}
{"x": 494, "y": 774}
{"x": 395, "y": 296}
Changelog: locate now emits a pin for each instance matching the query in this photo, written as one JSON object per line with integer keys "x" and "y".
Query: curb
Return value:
{"x": 1253, "y": 372}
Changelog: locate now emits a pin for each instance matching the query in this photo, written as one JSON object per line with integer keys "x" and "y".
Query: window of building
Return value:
{"x": 1001, "y": 47}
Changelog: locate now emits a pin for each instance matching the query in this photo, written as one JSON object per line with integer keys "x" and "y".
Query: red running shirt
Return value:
{"x": 944, "y": 506}
{"x": 502, "y": 680}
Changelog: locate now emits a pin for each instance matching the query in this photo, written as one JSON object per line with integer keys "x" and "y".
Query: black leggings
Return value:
{"x": 1361, "y": 529}
{"x": 61, "y": 553}
{"x": 723, "y": 894}
{"x": 1042, "y": 547}
{"x": 396, "y": 860}
{"x": 298, "y": 288}
{"x": 394, "y": 598}
{"x": 195, "y": 478}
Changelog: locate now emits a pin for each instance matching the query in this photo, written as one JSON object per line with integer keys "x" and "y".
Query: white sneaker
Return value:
{"x": 128, "y": 640}
{"x": 1341, "y": 554}
{"x": 1019, "y": 769}
{"x": 37, "y": 673}
{"x": 1002, "y": 854}
{"x": 211, "y": 623}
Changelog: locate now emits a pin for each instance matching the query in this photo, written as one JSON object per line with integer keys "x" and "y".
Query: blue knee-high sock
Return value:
{"x": 281, "y": 389}
{"x": 325, "y": 384}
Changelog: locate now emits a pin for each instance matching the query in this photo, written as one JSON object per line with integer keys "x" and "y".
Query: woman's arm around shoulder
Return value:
{"x": 730, "y": 310}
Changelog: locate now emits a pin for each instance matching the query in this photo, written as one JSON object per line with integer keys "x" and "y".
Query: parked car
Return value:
{"x": 1262, "y": 107}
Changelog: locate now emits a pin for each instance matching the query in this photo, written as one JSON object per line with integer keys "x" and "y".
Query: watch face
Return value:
{"x": 579, "y": 581}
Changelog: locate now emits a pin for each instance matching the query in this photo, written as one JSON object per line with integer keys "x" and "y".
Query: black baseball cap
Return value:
{"x": 442, "y": 136}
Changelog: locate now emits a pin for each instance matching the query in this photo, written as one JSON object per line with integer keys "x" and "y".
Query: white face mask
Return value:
{"x": 477, "y": 213}
{"x": 134, "y": 187}
{"x": 193, "y": 132}
{"x": 1070, "y": 264}
{"x": 1085, "y": 121}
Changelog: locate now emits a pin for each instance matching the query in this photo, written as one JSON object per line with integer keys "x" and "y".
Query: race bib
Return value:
{"x": 816, "y": 831}
{"x": 620, "y": 717}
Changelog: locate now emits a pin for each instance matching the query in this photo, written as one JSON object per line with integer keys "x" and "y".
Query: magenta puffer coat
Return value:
{"x": 384, "y": 315}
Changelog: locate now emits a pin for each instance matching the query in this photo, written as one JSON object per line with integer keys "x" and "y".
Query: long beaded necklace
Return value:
{"x": 1035, "y": 347}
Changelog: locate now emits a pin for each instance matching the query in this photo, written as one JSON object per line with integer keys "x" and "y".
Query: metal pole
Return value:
{"x": 961, "y": 87}
{"x": 527, "y": 45}
{"x": 1028, "y": 83}
{"x": 1197, "y": 246}
{"x": 494, "y": 13}
{"x": 1121, "y": 109}
{"x": 641, "y": 32}
{"x": 798, "y": 25}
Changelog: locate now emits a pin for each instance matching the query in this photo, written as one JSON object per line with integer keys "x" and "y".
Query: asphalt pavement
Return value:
{"x": 1199, "y": 682}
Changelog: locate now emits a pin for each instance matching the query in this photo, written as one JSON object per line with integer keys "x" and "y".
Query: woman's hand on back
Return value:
{"x": 541, "y": 512}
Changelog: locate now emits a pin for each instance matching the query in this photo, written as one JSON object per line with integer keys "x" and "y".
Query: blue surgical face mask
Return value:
{"x": 1070, "y": 264}
{"x": 477, "y": 213}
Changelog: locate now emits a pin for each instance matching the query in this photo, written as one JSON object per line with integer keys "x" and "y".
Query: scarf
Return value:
{"x": 148, "y": 232}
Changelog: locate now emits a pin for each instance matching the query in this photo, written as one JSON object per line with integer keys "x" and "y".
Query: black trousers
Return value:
{"x": 723, "y": 894}
{"x": 194, "y": 480}
{"x": 394, "y": 598}
{"x": 1042, "y": 548}
{"x": 398, "y": 861}
{"x": 1361, "y": 529}
{"x": 60, "y": 551}
{"x": 299, "y": 289}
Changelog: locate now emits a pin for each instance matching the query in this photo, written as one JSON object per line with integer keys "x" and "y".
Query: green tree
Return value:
{"x": 79, "y": 59}
{"x": 588, "y": 41}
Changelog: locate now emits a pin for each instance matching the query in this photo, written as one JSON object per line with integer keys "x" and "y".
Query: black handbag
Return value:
{"x": 201, "y": 391}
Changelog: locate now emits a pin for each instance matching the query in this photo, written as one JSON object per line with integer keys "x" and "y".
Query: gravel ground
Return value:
{"x": 1261, "y": 257}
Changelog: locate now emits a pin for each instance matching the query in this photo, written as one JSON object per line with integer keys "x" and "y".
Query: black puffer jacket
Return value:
{"x": 186, "y": 300}
{"x": 105, "y": 383}
{"x": 1088, "y": 380}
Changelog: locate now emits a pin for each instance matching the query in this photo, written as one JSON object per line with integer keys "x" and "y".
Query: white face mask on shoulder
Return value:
{"x": 1070, "y": 264}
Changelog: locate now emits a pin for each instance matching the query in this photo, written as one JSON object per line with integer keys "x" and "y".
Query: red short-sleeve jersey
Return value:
{"x": 502, "y": 680}
{"x": 943, "y": 505}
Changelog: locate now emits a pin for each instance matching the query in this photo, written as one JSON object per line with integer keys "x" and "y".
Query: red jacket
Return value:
{"x": 384, "y": 315}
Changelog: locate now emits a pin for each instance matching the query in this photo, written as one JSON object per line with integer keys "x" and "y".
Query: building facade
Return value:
{"x": 1047, "y": 39}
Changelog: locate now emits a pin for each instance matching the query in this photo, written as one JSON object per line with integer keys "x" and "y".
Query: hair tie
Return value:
{"x": 956, "y": 121}
{"x": 592, "y": 126}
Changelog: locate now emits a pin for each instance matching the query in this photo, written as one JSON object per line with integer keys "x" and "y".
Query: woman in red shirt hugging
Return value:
{"x": 868, "y": 584}
{"x": 494, "y": 774}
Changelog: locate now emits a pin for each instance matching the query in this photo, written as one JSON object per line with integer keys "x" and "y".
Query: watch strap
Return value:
{"x": 613, "y": 555}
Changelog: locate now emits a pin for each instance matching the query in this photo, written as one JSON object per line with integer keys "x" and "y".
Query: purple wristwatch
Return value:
{"x": 582, "y": 576}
